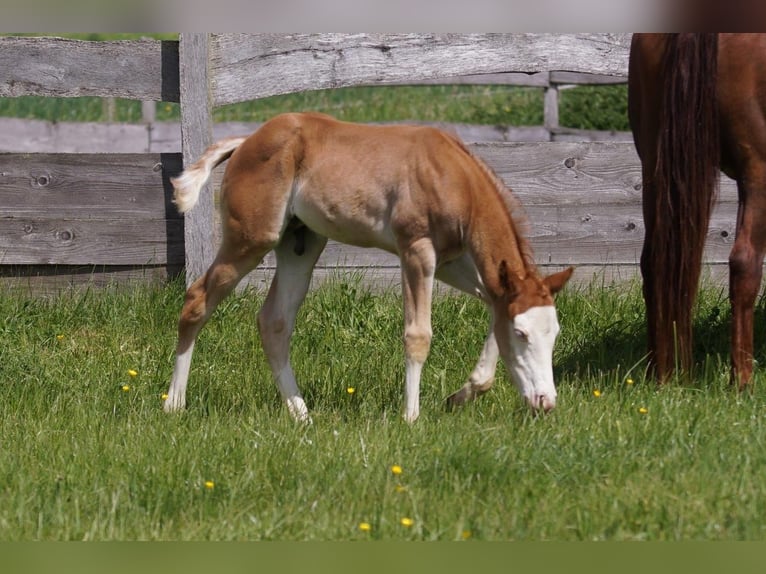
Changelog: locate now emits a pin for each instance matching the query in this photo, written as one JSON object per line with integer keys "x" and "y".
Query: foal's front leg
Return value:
{"x": 461, "y": 274}
{"x": 483, "y": 375}
{"x": 418, "y": 267}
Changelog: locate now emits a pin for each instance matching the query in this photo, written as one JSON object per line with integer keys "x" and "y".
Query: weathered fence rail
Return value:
{"x": 108, "y": 215}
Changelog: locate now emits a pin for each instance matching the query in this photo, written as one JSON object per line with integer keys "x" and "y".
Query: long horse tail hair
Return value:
{"x": 685, "y": 185}
{"x": 186, "y": 187}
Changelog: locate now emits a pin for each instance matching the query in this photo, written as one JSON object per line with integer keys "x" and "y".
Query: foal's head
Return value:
{"x": 526, "y": 328}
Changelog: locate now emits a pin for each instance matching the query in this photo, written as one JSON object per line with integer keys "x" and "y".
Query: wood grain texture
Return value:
{"x": 57, "y": 67}
{"x": 196, "y": 135}
{"x": 89, "y": 209}
{"x": 135, "y": 186}
{"x": 250, "y": 66}
{"x": 51, "y": 241}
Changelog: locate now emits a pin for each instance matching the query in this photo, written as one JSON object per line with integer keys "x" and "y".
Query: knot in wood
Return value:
{"x": 569, "y": 162}
{"x": 42, "y": 180}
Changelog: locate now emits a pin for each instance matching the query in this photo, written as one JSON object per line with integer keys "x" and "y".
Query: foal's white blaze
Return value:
{"x": 532, "y": 338}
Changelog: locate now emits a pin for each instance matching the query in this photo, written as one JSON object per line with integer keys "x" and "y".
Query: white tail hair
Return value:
{"x": 187, "y": 185}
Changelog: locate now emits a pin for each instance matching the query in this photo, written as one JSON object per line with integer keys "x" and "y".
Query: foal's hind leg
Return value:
{"x": 745, "y": 272}
{"x": 296, "y": 257}
{"x": 202, "y": 298}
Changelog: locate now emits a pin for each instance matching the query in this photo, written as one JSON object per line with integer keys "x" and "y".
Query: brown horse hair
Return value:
{"x": 685, "y": 185}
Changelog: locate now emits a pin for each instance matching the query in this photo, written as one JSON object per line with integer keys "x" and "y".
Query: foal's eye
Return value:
{"x": 523, "y": 335}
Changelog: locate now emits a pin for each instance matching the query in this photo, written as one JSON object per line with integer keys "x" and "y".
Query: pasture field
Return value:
{"x": 86, "y": 452}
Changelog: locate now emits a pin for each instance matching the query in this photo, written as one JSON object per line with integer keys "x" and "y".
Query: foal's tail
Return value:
{"x": 187, "y": 185}
{"x": 684, "y": 185}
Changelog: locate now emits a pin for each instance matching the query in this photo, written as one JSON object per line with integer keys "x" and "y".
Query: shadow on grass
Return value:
{"x": 617, "y": 343}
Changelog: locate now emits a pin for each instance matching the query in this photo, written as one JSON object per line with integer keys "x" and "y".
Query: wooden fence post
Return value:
{"x": 196, "y": 134}
{"x": 551, "y": 108}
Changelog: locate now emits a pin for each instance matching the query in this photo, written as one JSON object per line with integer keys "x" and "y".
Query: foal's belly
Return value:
{"x": 347, "y": 218}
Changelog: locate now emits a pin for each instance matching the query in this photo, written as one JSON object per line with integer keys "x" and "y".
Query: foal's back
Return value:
{"x": 372, "y": 186}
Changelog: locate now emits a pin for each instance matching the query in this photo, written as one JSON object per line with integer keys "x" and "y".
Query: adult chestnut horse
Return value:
{"x": 697, "y": 103}
{"x": 414, "y": 191}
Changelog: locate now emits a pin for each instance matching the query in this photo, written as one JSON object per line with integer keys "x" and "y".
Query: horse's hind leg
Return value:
{"x": 296, "y": 254}
{"x": 745, "y": 272}
{"x": 202, "y": 298}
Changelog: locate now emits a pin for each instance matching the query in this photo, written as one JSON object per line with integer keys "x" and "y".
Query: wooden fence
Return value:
{"x": 108, "y": 215}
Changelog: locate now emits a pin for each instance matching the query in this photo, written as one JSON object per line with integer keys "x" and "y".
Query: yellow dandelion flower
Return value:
{"x": 351, "y": 390}
{"x": 164, "y": 396}
{"x": 628, "y": 381}
{"x": 596, "y": 393}
{"x": 132, "y": 372}
{"x": 396, "y": 469}
{"x": 365, "y": 526}
{"x": 60, "y": 337}
{"x": 643, "y": 410}
{"x": 406, "y": 522}
{"x": 209, "y": 484}
{"x": 466, "y": 534}
{"x": 126, "y": 388}
{"x": 400, "y": 488}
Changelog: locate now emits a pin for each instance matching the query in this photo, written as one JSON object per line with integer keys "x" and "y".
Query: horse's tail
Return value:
{"x": 685, "y": 183}
{"x": 187, "y": 185}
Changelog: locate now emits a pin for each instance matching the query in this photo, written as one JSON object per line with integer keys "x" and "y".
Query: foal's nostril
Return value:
{"x": 544, "y": 403}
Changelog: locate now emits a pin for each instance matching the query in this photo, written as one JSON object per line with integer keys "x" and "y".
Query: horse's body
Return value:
{"x": 697, "y": 103}
{"x": 413, "y": 191}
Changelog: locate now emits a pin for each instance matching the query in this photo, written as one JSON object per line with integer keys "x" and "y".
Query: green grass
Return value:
{"x": 81, "y": 458}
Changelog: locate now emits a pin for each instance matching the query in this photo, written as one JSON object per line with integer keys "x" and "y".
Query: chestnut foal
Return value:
{"x": 414, "y": 191}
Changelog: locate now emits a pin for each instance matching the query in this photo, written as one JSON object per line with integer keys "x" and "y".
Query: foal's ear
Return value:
{"x": 557, "y": 281}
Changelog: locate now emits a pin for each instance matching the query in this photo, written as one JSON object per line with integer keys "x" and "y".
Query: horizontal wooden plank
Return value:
{"x": 40, "y": 136}
{"x": 53, "y": 280}
{"x": 383, "y": 278}
{"x": 135, "y": 186}
{"x": 599, "y": 235}
{"x": 250, "y": 66}
{"x": 572, "y": 173}
{"x": 582, "y": 78}
{"x": 48, "y": 241}
{"x": 57, "y": 67}
{"x": 532, "y": 80}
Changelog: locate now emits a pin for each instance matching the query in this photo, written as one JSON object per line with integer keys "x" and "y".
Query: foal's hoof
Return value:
{"x": 458, "y": 399}
{"x": 173, "y": 405}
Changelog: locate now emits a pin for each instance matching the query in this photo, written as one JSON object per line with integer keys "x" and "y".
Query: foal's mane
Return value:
{"x": 518, "y": 217}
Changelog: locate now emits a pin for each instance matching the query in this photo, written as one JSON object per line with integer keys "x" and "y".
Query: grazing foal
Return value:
{"x": 414, "y": 191}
